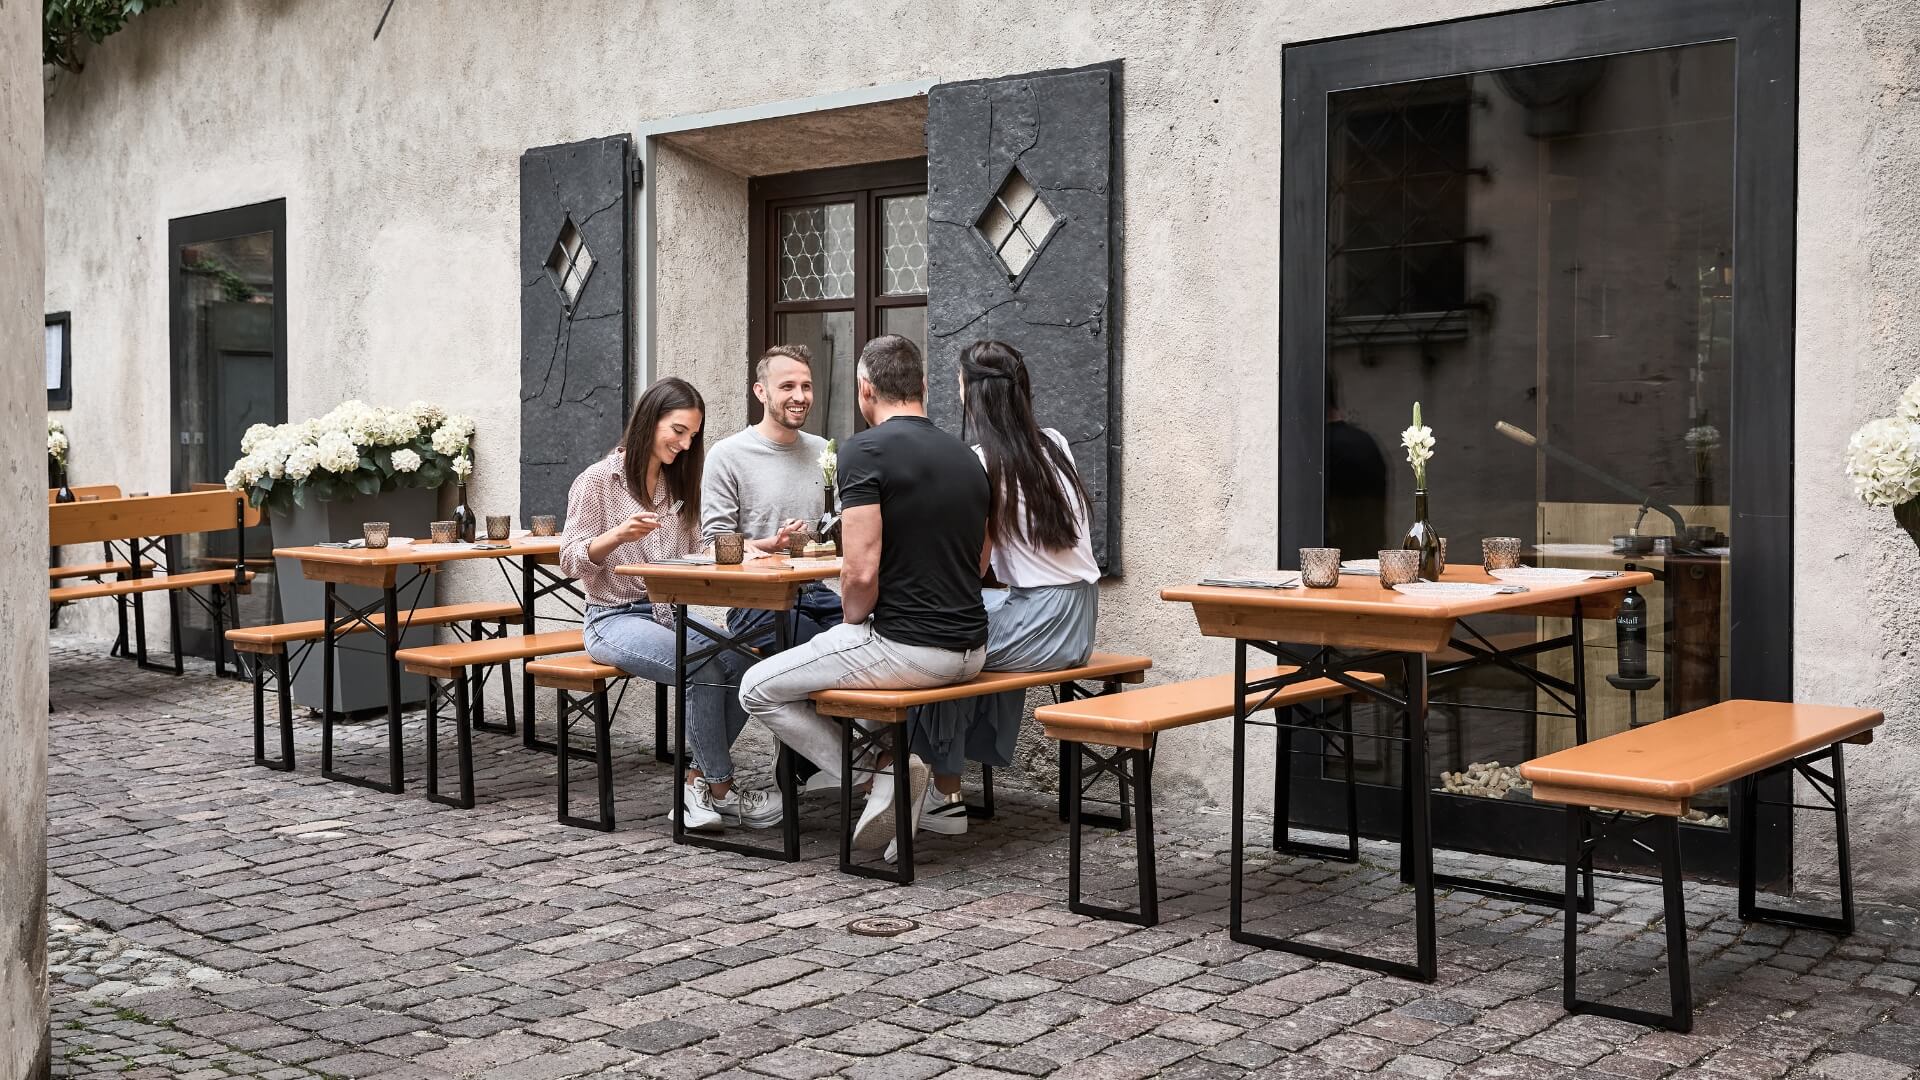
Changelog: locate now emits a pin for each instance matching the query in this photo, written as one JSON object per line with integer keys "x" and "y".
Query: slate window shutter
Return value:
{"x": 575, "y": 230}
{"x": 1022, "y": 249}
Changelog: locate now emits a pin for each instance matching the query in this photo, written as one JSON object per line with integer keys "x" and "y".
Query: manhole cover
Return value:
{"x": 881, "y": 926}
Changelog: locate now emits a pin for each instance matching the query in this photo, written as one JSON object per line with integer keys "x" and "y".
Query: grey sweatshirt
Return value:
{"x": 754, "y": 484}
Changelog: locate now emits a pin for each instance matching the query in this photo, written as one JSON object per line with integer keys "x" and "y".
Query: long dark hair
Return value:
{"x": 1023, "y": 465}
{"x": 683, "y": 475}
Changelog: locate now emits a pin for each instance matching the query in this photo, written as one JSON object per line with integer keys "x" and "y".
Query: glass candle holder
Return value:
{"x": 1443, "y": 554}
{"x": 797, "y": 542}
{"x": 1320, "y": 567}
{"x": 443, "y": 532}
{"x": 499, "y": 526}
{"x": 1399, "y": 566}
{"x": 376, "y": 532}
{"x": 729, "y": 548}
{"x": 543, "y": 524}
{"x": 1500, "y": 552}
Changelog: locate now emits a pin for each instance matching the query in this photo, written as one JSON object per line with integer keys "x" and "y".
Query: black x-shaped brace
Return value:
{"x": 538, "y": 582}
{"x": 391, "y": 630}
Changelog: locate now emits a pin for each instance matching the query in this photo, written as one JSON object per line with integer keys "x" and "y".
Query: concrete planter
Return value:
{"x": 360, "y": 680}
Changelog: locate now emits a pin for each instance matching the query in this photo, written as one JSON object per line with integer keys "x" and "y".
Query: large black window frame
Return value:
{"x": 1765, "y": 35}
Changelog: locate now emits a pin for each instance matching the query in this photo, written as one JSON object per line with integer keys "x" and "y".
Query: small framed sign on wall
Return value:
{"x": 60, "y": 360}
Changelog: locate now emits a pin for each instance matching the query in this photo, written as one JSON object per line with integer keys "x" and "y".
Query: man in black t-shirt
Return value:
{"x": 914, "y": 533}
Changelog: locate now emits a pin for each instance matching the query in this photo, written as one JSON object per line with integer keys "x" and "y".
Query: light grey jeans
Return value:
{"x": 775, "y": 690}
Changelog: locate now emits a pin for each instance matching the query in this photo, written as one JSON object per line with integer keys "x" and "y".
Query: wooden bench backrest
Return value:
{"x": 104, "y": 491}
{"x": 149, "y": 516}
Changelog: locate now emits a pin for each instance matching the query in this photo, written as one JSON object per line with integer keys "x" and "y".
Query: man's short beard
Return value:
{"x": 780, "y": 417}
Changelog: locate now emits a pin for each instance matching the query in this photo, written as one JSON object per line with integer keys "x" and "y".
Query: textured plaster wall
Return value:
{"x": 24, "y": 1047}
{"x": 397, "y": 159}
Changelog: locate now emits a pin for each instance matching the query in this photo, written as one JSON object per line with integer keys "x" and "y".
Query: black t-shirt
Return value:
{"x": 932, "y": 494}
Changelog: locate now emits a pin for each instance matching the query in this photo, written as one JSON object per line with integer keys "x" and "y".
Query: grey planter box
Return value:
{"x": 359, "y": 674}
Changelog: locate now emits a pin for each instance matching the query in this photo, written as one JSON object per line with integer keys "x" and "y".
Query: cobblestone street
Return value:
{"x": 215, "y": 919}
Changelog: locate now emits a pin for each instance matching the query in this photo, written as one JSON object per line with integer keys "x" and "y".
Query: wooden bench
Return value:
{"x": 884, "y": 710}
{"x": 143, "y": 525}
{"x": 580, "y": 685}
{"x": 275, "y": 644}
{"x": 1644, "y": 779}
{"x": 450, "y": 663}
{"x": 1129, "y": 725}
{"x": 99, "y": 571}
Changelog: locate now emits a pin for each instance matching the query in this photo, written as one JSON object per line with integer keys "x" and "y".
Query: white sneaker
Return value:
{"x": 876, "y": 820}
{"x": 943, "y": 813}
{"x": 756, "y": 808}
{"x": 697, "y": 807}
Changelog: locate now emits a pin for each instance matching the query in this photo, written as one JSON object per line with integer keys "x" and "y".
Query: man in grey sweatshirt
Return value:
{"x": 766, "y": 481}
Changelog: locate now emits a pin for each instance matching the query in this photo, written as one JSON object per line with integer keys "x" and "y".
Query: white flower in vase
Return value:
{"x": 1418, "y": 441}
{"x": 463, "y": 466}
{"x": 829, "y": 463}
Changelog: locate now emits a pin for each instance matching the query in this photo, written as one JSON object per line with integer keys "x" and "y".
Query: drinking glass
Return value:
{"x": 1399, "y": 566}
{"x": 443, "y": 532}
{"x": 1320, "y": 567}
{"x": 1500, "y": 552}
{"x": 729, "y": 548}
{"x": 1443, "y": 554}
{"x": 543, "y": 524}
{"x": 376, "y": 532}
{"x": 499, "y": 526}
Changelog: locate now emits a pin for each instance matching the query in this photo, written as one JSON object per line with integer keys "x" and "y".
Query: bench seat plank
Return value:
{"x": 67, "y": 594}
{"x": 1656, "y": 769}
{"x": 444, "y": 661}
{"x": 271, "y": 639}
{"x": 95, "y": 570}
{"x": 578, "y": 672}
{"x": 891, "y": 706}
{"x": 1131, "y": 719}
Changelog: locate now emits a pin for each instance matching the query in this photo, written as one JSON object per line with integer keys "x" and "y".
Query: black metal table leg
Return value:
{"x": 389, "y": 634}
{"x": 722, "y": 641}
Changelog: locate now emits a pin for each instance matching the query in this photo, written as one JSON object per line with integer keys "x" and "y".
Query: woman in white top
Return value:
{"x": 1042, "y": 550}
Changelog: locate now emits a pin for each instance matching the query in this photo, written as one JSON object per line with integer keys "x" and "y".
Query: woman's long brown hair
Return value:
{"x": 1025, "y": 469}
{"x": 683, "y": 475}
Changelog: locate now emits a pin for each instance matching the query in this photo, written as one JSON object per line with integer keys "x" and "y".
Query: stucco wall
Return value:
{"x": 23, "y": 677}
{"x": 400, "y": 183}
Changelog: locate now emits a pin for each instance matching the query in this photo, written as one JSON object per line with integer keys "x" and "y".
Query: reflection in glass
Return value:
{"x": 228, "y": 381}
{"x": 903, "y": 245}
{"x": 816, "y": 252}
{"x": 1547, "y": 247}
{"x": 908, "y": 322}
{"x": 830, "y": 335}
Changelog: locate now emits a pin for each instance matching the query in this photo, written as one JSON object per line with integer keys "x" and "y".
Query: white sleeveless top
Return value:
{"x": 1024, "y": 566}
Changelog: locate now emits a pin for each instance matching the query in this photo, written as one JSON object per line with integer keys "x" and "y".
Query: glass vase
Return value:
{"x": 65, "y": 494}
{"x": 463, "y": 516}
{"x": 1422, "y": 537}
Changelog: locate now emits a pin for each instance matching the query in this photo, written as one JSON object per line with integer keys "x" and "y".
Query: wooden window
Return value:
{"x": 838, "y": 257}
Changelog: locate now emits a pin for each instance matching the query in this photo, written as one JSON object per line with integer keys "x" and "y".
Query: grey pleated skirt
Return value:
{"x": 1036, "y": 629}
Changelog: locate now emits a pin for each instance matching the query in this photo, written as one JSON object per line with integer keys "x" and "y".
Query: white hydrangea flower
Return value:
{"x": 57, "y": 444}
{"x": 1909, "y": 407}
{"x": 1883, "y": 461}
{"x": 304, "y": 459}
{"x": 462, "y": 425}
{"x": 405, "y": 461}
{"x": 448, "y": 441}
{"x": 400, "y": 427}
{"x": 427, "y": 415}
{"x": 337, "y": 453}
{"x": 462, "y": 466}
{"x": 256, "y": 437}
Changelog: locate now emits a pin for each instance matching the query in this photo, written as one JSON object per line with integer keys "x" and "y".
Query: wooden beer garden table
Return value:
{"x": 770, "y": 583}
{"x": 381, "y": 568}
{"x": 1357, "y": 627}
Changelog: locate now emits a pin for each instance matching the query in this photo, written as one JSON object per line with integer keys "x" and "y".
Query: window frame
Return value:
{"x": 862, "y": 185}
{"x": 60, "y": 398}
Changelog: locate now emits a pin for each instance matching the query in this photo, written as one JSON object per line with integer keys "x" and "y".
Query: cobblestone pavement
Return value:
{"x": 215, "y": 919}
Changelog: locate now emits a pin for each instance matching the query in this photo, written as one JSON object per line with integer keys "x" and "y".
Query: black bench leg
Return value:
{"x": 1831, "y": 786}
{"x": 1283, "y": 840}
{"x": 173, "y": 627}
{"x": 477, "y": 632}
{"x": 662, "y": 749}
{"x": 259, "y": 714}
{"x": 985, "y": 809}
{"x": 1666, "y": 847}
{"x": 1137, "y": 768}
{"x": 902, "y": 873}
{"x": 462, "y": 737}
{"x": 283, "y": 678}
{"x": 568, "y": 707}
{"x": 285, "y": 763}
{"x": 140, "y": 630}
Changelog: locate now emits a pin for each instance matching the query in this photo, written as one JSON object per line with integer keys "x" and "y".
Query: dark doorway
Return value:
{"x": 1577, "y": 222}
{"x": 229, "y": 372}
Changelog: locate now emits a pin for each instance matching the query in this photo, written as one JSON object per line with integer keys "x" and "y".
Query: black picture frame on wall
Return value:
{"x": 60, "y": 388}
{"x": 1765, "y": 34}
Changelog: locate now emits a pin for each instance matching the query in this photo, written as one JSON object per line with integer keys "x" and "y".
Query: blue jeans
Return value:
{"x": 816, "y": 610}
{"x": 627, "y": 637}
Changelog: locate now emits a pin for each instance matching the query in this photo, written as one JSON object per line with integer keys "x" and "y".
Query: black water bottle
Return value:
{"x": 1630, "y": 635}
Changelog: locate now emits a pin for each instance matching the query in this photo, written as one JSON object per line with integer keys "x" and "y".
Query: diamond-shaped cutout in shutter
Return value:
{"x": 570, "y": 263}
{"x": 1016, "y": 224}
